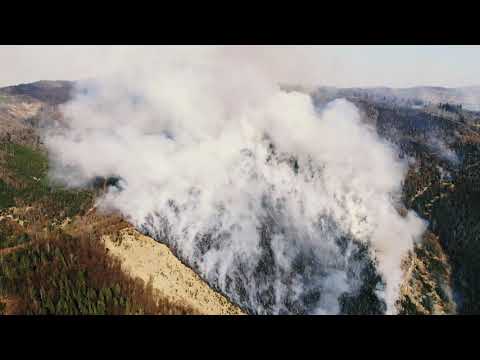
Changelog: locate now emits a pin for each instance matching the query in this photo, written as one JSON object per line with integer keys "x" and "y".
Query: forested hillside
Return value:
{"x": 51, "y": 262}
{"x": 52, "y": 259}
{"x": 442, "y": 185}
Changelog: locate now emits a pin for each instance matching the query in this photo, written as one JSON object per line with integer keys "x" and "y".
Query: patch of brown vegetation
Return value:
{"x": 12, "y": 249}
{"x": 96, "y": 223}
{"x": 14, "y": 116}
{"x": 470, "y": 137}
{"x": 8, "y": 305}
{"x": 428, "y": 280}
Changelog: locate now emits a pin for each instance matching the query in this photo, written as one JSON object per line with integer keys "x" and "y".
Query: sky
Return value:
{"x": 342, "y": 66}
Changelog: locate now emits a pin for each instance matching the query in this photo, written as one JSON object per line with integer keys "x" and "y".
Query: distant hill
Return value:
{"x": 51, "y": 92}
{"x": 415, "y": 96}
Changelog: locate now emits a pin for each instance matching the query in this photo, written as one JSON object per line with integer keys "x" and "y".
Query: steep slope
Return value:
{"x": 154, "y": 263}
{"x": 443, "y": 145}
{"x": 53, "y": 255}
{"x": 442, "y": 186}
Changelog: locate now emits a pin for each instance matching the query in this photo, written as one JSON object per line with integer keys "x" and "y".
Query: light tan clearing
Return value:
{"x": 420, "y": 282}
{"x": 143, "y": 257}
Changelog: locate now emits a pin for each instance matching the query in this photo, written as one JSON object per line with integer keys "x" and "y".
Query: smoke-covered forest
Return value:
{"x": 286, "y": 222}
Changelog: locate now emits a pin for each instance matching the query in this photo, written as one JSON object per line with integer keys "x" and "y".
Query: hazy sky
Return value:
{"x": 396, "y": 66}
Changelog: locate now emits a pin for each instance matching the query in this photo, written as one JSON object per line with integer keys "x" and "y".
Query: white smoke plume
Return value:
{"x": 443, "y": 150}
{"x": 268, "y": 199}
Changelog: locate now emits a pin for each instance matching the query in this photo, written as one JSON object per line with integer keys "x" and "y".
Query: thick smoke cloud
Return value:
{"x": 445, "y": 152}
{"x": 269, "y": 199}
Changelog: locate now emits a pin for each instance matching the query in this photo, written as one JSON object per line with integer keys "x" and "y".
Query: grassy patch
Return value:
{"x": 30, "y": 168}
{"x": 3, "y": 98}
{"x": 25, "y": 162}
{"x": 6, "y": 195}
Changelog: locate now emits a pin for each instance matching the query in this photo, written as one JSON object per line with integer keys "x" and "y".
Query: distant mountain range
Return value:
{"x": 57, "y": 92}
{"x": 468, "y": 97}
{"x": 51, "y": 92}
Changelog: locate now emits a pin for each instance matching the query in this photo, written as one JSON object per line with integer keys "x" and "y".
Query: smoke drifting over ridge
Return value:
{"x": 271, "y": 201}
